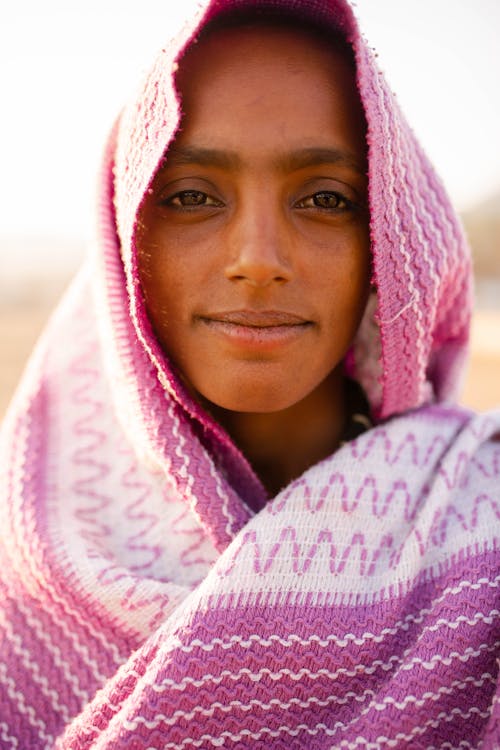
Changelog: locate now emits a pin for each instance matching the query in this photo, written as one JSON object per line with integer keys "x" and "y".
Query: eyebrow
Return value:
{"x": 210, "y": 157}
{"x": 286, "y": 162}
{"x": 311, "y": 157}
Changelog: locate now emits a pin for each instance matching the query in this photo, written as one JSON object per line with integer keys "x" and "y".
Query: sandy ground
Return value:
{"x": 21, "y": 325}
{"x": 482, "y": 385}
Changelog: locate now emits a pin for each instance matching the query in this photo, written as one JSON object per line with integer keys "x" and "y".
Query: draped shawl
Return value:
{"x": 152, "y": 596}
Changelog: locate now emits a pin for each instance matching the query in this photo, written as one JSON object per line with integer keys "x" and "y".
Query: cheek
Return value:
{"x": 156, "y": 274}
{"x": 360, "y": 271}
{"x": 342, "y": 272}
{"x": 173, "y": 272}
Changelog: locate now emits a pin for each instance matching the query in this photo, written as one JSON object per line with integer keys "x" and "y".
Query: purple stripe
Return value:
{"x": 260, "y": 677}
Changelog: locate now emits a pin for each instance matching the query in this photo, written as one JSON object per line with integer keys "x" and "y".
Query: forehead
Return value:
{"x": 258, "y": 84}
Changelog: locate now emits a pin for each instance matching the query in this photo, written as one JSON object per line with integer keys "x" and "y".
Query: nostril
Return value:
{"x": 258, "y": 263}
{"x": 254, "y": 280}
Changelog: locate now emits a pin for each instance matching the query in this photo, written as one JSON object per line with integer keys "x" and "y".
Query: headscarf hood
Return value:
{"x": 414, "y": 352}
{"x": 411, "y": 345}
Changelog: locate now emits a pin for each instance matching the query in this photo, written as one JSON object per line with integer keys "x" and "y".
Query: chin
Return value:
{"x": 255, "y": 399}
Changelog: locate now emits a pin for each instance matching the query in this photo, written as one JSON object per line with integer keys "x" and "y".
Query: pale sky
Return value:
{"x": 66, "y": 68}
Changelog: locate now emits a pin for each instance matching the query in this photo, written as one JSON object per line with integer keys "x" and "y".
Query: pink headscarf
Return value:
{"x": 421, "y": 260}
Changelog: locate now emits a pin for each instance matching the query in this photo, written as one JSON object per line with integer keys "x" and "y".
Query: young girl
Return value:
{"x": 240, "y": 508}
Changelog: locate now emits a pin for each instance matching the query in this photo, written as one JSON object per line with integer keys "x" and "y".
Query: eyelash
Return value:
{"x": 170, "y": 201}
{"x": 347, "y": 205}
{"x": 342, "y": 203}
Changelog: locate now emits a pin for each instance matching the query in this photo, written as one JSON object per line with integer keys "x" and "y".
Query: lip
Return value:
{"x": 257, "y": 329}
{"x": 257, "y": 318}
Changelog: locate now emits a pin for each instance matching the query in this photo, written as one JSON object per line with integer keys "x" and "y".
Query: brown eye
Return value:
{"x": 327, "y": 199}
{"x": 190, "y": 199}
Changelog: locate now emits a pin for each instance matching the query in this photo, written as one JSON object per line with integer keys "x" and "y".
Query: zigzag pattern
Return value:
{"x": 85, "y": 457}
{"x": 135, "y": 511}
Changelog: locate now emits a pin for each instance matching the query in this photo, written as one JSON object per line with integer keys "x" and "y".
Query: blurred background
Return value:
{"x": 67, "y": 68}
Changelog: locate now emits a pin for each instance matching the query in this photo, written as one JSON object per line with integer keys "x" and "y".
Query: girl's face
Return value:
{"x": 253, "y": 240}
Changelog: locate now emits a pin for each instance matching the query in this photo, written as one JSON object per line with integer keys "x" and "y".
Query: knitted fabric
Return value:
{"x": 152, "y": 596}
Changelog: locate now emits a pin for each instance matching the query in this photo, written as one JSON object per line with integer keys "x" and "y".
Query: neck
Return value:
{"x": 280, "y": 446}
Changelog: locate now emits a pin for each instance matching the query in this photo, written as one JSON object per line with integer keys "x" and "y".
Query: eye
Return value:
{"x": 190, "y": 199}
{"x": 328, "y": 200}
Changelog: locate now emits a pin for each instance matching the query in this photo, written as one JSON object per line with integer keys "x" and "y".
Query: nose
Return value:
{"x": 257, "y": 249}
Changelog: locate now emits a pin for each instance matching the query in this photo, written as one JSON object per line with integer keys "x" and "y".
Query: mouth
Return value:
{"x": 257, "y": 318}
{"x": 260, "y": 329}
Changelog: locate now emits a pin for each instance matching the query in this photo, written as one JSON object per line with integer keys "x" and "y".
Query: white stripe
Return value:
{"x": 28, "y": 661}
{"x": 231, "y": 527}
{"x": 394, "y": 660}
{"x": 389, "y": 130}
{"x": 183, "y": 472}
{"x": 28, "y": 711}
{"x": 162, "y": 719}
{"x": 491, "y": 617}
{"x": 218, "y": 740}
{"x": 417, "y": 730}
{"x": 442, "y": 690}
{"x": 462, "y": 745}
{"x": 6, "y": 737}
{"x": 31, "y": 573}
{"x": 54, "y": 651}
{"x": 348, "y": 638}
{"x": 82, "y": 649}
{"x": 400, "y": 143}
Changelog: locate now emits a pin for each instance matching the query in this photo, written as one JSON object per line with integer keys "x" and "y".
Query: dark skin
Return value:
{"x": 253, "y": 241}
